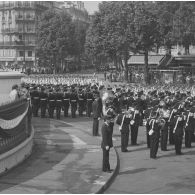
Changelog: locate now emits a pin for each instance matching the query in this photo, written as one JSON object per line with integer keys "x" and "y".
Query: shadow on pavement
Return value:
{"x": 44, "y": 156}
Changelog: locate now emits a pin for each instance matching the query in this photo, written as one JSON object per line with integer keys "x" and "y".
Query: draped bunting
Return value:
{"x": 13, "y": 110}
{"x": 10, "y": 124}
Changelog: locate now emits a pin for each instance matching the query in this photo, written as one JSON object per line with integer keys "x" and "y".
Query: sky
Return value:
{"x": 91, "y": 6}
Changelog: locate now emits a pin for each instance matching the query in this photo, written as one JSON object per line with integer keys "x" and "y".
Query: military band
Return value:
{"x": 168, "y": 112}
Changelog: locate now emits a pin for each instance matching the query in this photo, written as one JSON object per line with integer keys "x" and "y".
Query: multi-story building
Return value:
{"x": 76, "y": 10}
{"x": 18, "y": 21}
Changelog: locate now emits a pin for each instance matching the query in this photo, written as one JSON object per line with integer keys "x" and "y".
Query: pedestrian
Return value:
{"x": 106, "y": 143}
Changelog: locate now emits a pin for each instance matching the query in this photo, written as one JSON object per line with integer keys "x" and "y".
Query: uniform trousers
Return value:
{"x": 95, "y": 126}
{"x": 124, "y": 138}
{"x": 164, "y": 138}
{"x": 171, "y": 139}
{"x": 73, "y": 109}
{"x": 178, "y": 143}
{"x": 105, "y": 162}
{"x": 134, "y": 133}
{"x": 154, "y": 143}
{"x": 43, "y": 106}
{"x": 147, "y": 135}
{"x": 89, "y": 108}
{"x": 66, "y": 108}
{"x": 188, "y": 137}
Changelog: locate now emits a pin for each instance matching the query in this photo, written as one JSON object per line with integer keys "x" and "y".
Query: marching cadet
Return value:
{"x": 106, "y": 143}
{"x": 154, "y": 126}
{"x": 73, "y": 102}
{"x": 81, "y": 102}
{"x": 43, "y": 101}
{"x": 134, "y": 124}
{"x": 179, "y": 122}
{"x": 148, "y": 115}
{"x": 123, "y": 120}
{"x": 164, "y": 114}
{"x": 51, "y": 103}
{"x": 59, "y": 98}
{"x": 89, "y": 98}
{"x": 35, "y": 101}
{"x": 66, "y": 102}
{"x": 171, "y": 125}
{"x": 189, "y": 127}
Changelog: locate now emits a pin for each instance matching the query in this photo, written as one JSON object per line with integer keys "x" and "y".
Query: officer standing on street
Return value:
{"x": 35, "y": 101}
{"x": 106, "y": 144}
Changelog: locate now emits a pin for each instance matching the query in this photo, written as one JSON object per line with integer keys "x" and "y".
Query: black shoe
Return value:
{"x": 109, "y": 171}
{"x": 125, "y": 150}
{"x": 179, "y": 153}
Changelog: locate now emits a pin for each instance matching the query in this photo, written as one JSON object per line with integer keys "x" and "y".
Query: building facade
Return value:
{"x": 18, "y": 21}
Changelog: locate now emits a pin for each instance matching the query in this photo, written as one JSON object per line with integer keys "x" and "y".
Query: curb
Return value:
{"x": 112, "y": 177}
{"x": 115, "y": 172}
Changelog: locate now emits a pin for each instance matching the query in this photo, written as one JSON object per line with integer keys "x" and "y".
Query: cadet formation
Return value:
{"x": 166, "y": 111}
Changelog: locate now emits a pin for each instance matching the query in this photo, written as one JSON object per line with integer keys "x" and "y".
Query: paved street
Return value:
{"x": 67, "y": 159}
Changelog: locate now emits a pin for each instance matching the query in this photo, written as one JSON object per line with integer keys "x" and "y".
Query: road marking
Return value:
{"x": 97, "y": 182}
{"x": 77, "y": 141}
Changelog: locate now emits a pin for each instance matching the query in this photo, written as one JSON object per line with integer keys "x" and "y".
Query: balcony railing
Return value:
{"x": 17, "y": 43}
{"x": 26, "y": 18}
{"x": 16, "y": 30}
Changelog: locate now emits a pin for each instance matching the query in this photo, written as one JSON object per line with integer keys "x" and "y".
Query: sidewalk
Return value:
{"x": 64, "y": 160}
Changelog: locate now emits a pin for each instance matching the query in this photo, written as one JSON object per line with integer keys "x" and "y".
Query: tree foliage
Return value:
{"x": 59, "y": 37}
{"x": 122, "y": 28}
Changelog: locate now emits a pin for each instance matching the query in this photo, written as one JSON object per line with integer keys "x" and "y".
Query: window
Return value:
{"x": 20, "y": 37}
{"x": 21, "y": 53}
{"x": 29, "y": 53}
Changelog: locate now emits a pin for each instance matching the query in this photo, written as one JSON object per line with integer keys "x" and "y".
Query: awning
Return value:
{"x": 139, "y": 59}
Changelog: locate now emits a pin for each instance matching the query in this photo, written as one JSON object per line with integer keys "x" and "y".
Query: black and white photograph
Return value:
{"x": 97, "y": 97}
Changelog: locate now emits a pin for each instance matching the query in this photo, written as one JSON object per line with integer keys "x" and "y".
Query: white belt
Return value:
{"x": 43, "y": 99}
{"x": 66, "y": 99}
{"x": 89, "y": 99}
{"x": 73, "y": 100}
{"x": 36, "y": 97}
{"x": 59, "y": 100}
{"x": 51, "y": 100}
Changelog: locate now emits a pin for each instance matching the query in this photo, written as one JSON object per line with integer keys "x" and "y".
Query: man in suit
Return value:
{"x": 106, "y": 143}
{"x": 97, "y": 112}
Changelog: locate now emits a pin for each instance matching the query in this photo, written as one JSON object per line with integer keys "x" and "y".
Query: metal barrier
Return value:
{"x": 10, "y": 138}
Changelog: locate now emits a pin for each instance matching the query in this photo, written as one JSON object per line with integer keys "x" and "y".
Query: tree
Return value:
{"x": 112, "y": 33}
{"x": 56, "y": 38}
{"x": 184, "y": 25}
{"x": 146, "y": 30}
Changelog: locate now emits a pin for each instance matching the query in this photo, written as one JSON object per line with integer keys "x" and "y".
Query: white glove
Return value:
{"x": 107, "y": 147}
{"x": 151, "y": 132}
{"x": 120, "y": 128}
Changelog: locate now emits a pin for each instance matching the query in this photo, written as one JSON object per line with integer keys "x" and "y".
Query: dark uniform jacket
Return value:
{"x": 96, "y": 108}
{"x": 106, "y": 136}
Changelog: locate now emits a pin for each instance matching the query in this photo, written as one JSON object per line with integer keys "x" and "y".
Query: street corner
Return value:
{"x": 105, "y": 179}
